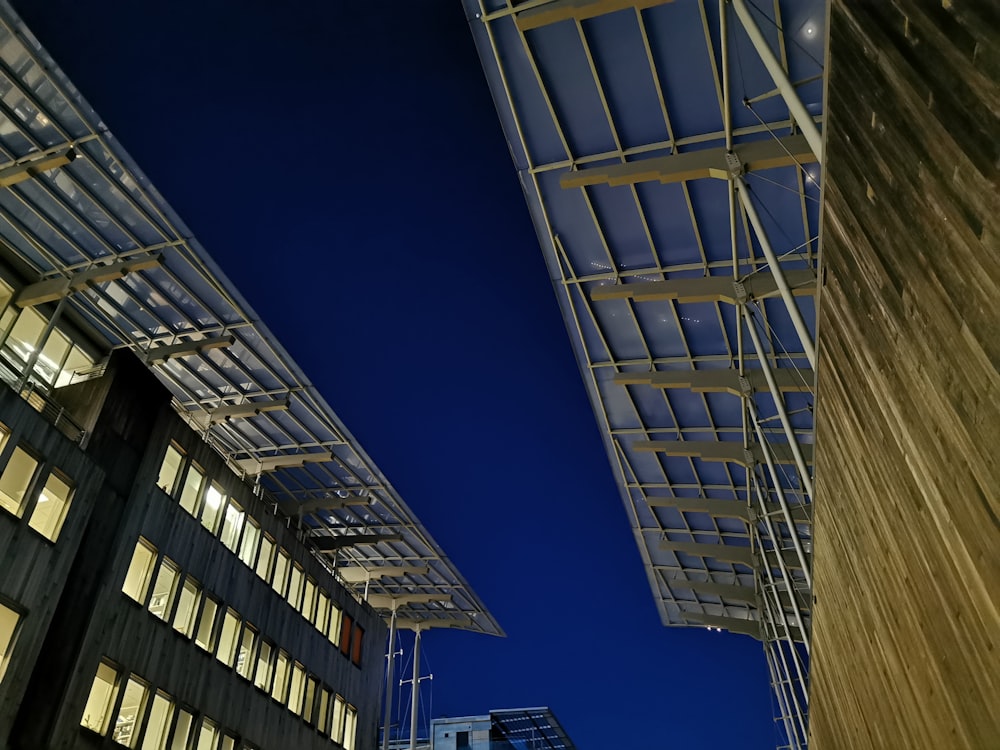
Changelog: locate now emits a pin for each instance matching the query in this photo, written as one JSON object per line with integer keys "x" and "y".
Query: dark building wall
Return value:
{"x": 907, "y": 574}
{"x": 131, "y": 430}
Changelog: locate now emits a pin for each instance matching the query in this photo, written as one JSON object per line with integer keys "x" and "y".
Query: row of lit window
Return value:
{"x": 195, "y": 614}
{"x": 58, "y": 361}
{"x": 23, "y": 472}
{"x": 149, "y": 719}
{"x": 241, "y": 534}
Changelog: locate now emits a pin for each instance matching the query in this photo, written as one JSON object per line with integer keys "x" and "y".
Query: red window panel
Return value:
{"x": 359, "y": 634}
{"x": 346, "y": 626}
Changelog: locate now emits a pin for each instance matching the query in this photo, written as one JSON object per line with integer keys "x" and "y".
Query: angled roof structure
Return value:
{"x": 530, "y": 729}
{"x": 81, "y": 218}
{"x": 670, "y": 157}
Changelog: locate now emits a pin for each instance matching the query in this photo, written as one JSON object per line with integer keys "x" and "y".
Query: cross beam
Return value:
{"x": 723, "y": 450}
{"x": 12, "y": 174}
{"x": 578, "y": 10}
{"x": 49, "y": 290}
{"x": 708, "y": 288}
{"x": 720, "y": 381}
{"x": 334, "y": 543}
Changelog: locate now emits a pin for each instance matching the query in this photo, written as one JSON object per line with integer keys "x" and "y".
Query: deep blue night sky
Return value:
{"x": 343, "y": 163}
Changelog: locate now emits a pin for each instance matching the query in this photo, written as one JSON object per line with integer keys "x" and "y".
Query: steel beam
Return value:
{"x": 721, "y": 381}
{"x": 745, "y": 594}
{"x": 394, "y": 601}
{"x": 695, "y": 165}
{"x": 577, "y": 10}
{"x": 334, "y": 543}
{"x": 332, "y": 503}
{"x": 187, "y": 348}
{"x": 49, "y": 290}
{"x": 11, "y": 174}
{"x": 730, "y": 553}
{"x": 732, "y": 624}
{"x": 255, "y": 466}
{"x": 359, "y": 574}
{"x": 240, "y": 411}
{"x": 722, "y": 450}
{"x": 723, "y": 508}
{"x": 800, "y": 282}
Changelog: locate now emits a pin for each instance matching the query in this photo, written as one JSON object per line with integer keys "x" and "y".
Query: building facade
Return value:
{"x": 506, "y": 729}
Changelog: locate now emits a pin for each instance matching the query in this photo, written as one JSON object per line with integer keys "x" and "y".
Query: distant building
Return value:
{"x": 195, "y": 553}
{"x": 507, "y": 729}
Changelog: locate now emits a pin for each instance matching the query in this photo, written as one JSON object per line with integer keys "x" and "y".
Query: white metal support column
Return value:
{"x": 415, "y": 696}
{"x": 389, "y": 674}
{"x": 798, "y": 110}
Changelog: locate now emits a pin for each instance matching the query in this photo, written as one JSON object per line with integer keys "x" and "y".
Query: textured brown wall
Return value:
{"x": 907, "y": 554}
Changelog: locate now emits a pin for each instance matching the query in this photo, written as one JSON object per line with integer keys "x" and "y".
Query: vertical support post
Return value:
{"x": 389, "y": 675}
{"x": 795, "y": 106}
{"x": 779, "y": 403}
{"x": 779, "y": 276}
{"x": 415, "y": 698}
{"x": 33, "y": 359}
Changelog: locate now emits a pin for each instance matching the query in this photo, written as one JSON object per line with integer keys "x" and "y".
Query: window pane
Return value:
{"x": 323, "y": 715}
{"x": 51, "y": 357}
{"x": 193, "y": 481}
{"x": 232, "y": 525}
{"x": 126, "y": 730}
{"x": 359, "y": 634}
{"x": 337, "y": 730}
{"x": 262, "y": 677}
{"x": 309, "y": 601}
{"x": 160, "y": 714}
{"x": 345, "y": 634}
{"x": 227, "y": 638}
{"x": 323, "y": 612}
{"x": 8, "y": 625}
{"x": 335, "y": 619}
{"x": 244, "y": 657}
{"x": 295, "y": 689}
{"x": 310, "y": 699}
{"x": 164, "y": 588}
{"x": 280, "y": 677}
{"x": 350, "y": 727}
{"x": 228, "y": 743}
{"x": 25, "y": 334}
{"x": 204, "y": 634}
{"x": 14, "y": 481}
{"x": 280, "y": 572}
{"x": 187, "y": 607}
{"x": 264, "y": 561}
{"x": 212, "y": 510}
{"x": 50, "y": 510}
{"x": 295, "y": 586}
{"x": 182, "y": 730}
{"x": 169, "y": 469}
{"x": 208, "y": 735}
{"x": 76, "y": 361}
{"x": 251, "y": 538}
{"x": 102, "y": 696}
{"x": 140, "y": 570}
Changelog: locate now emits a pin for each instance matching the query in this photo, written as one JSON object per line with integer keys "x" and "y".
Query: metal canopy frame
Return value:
{"x": 670, "y": 156}
{"x": 530, "y": 729}
{"x": 98, "y": 235}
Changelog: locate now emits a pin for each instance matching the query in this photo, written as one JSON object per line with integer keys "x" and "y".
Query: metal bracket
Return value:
{"x": 740, "y": 292}
{"x": 734, "y": 165}
{"x": 748, "y": 455}
{"x": 745, "y": 388}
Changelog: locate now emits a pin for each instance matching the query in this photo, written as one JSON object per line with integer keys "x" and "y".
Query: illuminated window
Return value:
{"x": 295, "y": 586}
{"x": 164, "y": 588}
{"x": 140, "y": 570}
{"x": 50, "y": 359}
{"x": 323, "y": 715}
{"x": 337, "y": 725}
{"x": 182, "y": 730}
{"x": 262, "y": 675}
{"x": 76, "y": 361}
{"x": 8, "y": 631}
{"x": 309, "y": 601}
{"x": 295, "y": 688}
{"x": 208, "y": 735}
{"x": 126, "y": 729}
{"x": 51, "y": 508}
{"x": 204, "y": 634}
{"x": 103, "y": 691}
{"x": 227, "y": 638}
{"x": 335, "y": 624}
{"x": 323, "y": 612}
{"x": 228, "y": 743}
{"x": 266, "y": 556}
{"x": 211, "y": 511}
{"x": 170, "y": 469}
{"x": 251, "y": 539}
{"x": 15, "y": 480}
{"x": 191, "y": 490}
{"x": 25, "y": 334}
{"x": 280, "y": 686}
{"x": 160, "y": 714}
{"x": 244, "y": 655}
{"x": 350, "y": 727}
{"x": 232, "y": 525}
{"x": 187, "y": 607}
{"x": 308, "y": 703}
{"x": 359, "y": 634}
{"x": 346, "y": 626}
{"x": 280, "y": 572}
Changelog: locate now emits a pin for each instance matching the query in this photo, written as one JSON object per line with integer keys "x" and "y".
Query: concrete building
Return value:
{"x": 194, "y": 551}
{"x": 507, "y": 729}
